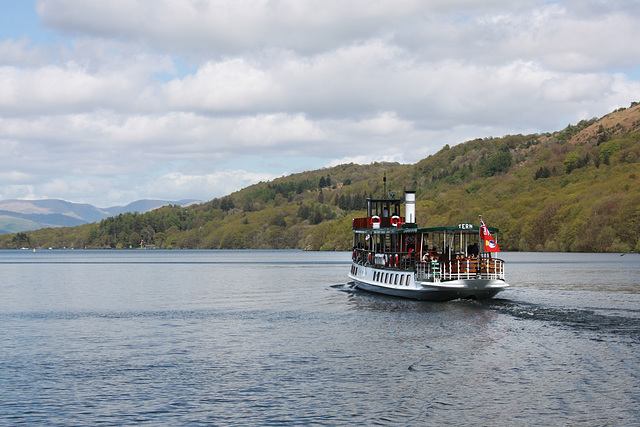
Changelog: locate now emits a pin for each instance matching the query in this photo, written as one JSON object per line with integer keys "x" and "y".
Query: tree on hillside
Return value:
{"x": 227, "y": 204}
{"x": 543, "y": 172}
{"x": 496, "y": 164}
{"x": 608, "y": 150}
{"x": 304, "y": 212}
{"x": 279, "y": 220}
{"x": 21, "y": 240}
{"x": 135, "y": 239}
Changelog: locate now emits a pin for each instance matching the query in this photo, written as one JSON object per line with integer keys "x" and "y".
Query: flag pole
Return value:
{"x": 480, "y": 233}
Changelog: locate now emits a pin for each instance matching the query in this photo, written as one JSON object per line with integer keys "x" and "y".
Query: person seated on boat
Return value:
{"x": 434, "y": 266}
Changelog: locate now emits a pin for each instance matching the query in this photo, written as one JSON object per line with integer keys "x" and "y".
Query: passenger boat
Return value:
{"x": 393, "y": 256}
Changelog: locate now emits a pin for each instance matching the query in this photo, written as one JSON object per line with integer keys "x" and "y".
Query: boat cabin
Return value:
{"x": 381, "y": 213}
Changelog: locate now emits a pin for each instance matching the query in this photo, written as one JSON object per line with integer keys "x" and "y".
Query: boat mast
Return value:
{"x": 384, "y": 185}
{"x": 480, "y": 234}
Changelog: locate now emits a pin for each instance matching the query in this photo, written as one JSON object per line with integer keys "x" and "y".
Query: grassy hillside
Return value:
{"x": 572, "y": 190}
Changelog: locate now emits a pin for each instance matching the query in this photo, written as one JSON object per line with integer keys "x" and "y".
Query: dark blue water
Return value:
{"x": 279, "y": 337}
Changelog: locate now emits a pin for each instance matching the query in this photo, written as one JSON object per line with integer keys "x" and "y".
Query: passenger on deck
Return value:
{"x": 434, "y": 266}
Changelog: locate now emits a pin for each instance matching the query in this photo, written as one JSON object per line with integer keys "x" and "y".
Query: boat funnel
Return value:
{"x": 410, "y": 207}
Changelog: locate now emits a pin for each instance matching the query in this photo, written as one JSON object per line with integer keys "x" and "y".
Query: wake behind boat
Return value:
{"x": 393, "y": 256}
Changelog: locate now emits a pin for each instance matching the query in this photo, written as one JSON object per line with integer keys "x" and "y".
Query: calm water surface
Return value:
{"x": 280, "y": 337}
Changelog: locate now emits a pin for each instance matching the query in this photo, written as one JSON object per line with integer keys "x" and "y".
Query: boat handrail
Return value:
{"x": 394, "y": 260}
{"x": 482, "y": 267}
{"x": 385, "y": 222}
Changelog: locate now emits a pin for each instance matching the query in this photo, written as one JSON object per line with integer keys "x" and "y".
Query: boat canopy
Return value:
{"x": 469, "y": 228}
{"x": 459, "y": 229}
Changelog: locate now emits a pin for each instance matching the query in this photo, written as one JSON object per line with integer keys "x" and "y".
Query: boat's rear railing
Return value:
{"x": 466, "y": 268}
{"x": 474, "y": 268}
{"x": 490, "y": 268}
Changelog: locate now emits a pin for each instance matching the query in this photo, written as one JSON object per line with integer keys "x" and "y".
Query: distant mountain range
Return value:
{"x": 26, "y": 215}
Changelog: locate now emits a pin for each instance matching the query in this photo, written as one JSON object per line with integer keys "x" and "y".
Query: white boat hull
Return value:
{"x": 404, "y": 284}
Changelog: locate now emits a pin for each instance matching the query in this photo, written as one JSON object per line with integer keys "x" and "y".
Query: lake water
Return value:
{"x": 281, "y": 338}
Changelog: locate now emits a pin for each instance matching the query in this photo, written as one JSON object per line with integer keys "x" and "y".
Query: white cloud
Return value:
{"x": 19, "y": 52}
{"x": 228, "y": 85}
{"x": 17, "y": 191}
{"x": 384, "y": 124}
{"x": 275, "y": 129}
{"x": 14, "y": 176}
{"x": 176, "y": 185}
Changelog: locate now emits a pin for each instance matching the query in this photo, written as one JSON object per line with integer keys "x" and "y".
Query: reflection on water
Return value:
{"x": 280, "y": 337}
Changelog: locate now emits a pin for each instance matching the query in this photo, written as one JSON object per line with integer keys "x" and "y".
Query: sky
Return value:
{"x": 108, "y": 102}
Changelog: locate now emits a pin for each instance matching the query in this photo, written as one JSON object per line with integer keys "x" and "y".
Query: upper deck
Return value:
{"x": 386, "y": 213}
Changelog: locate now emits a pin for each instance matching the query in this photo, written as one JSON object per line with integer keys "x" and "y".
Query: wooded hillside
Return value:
{"x": 572, "y": 190}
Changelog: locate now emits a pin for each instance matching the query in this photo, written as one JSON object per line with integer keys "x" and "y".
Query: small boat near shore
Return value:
{"x": 393, "y": 256}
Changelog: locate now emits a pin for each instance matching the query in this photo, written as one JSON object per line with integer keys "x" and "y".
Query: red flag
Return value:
{"x": 490, "y": 244}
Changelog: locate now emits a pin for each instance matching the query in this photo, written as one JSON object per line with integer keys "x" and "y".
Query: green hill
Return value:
{"x": 572, "y": 190}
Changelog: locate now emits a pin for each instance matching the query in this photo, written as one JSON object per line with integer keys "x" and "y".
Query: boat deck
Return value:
{"x": 482, "y": 267}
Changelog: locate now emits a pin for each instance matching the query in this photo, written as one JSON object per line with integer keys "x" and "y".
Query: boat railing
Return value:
{"x": 482, "y": 267}
{"x": 465, "y": 268}
{"x": 386, "y": 260}
{"x": 383, "y": 222}
{"x": 430, "y": 271}
{"x": 490, "y": 268}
